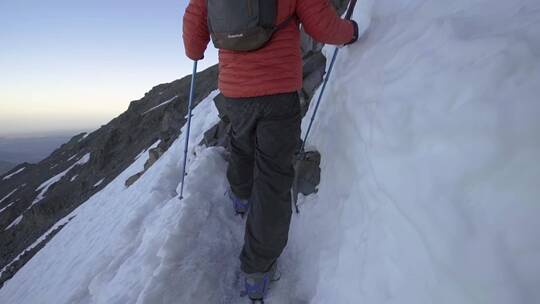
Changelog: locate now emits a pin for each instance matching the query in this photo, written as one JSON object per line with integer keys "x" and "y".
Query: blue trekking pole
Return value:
{"x": 320, "y": 98}
{"x": 302, "y": 154}
{"x": 336, "y": 51}
{"x": 190, "y": 108}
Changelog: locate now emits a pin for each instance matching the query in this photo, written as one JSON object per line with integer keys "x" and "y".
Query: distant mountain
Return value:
{"x": 29, "y": 149}
{"x": 5, "y": 166}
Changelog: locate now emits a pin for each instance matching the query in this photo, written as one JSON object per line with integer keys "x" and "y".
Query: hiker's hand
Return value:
{"x": 355, "y": 35}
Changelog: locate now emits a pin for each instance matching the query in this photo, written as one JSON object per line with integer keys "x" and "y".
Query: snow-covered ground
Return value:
{"x": 13, "y": 174}
{"x": 161, "y": 105}
{"x": 43, "y": 188}
{"x": 429, "y": 134}
{"x": 84, "y": 136}
{"x": 8, "y": 195}
{"x": 14, "y": 223}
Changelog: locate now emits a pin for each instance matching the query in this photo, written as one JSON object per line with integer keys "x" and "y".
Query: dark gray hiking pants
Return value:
{"x": 265, "y": 134}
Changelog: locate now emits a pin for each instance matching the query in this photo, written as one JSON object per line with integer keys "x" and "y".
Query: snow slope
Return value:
{"x": 429, "y": 134}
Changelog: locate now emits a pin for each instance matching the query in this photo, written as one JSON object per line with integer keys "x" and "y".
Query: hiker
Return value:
{"x": 259, "y": 80}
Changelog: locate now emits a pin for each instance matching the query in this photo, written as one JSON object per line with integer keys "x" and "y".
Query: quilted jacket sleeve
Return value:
{"x": 321, "y": 22}
{"x": 195, "y": 29}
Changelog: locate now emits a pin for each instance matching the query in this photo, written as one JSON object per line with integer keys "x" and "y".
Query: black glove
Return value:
{"x": 355, "y": 35}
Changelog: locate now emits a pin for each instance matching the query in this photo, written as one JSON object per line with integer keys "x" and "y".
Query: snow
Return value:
{"x": 429, "y": 139}
{"x": 74, "y": 177}
{"x": 99, "y": 183}
{"x": 15, "y": 222}
{"x": 84, "y": 136}
{"x": 14, "y": 173}
{"x": 161, "y": 104}
{"x": 83, "y": 160}
{"x": 8, "y": 205}
{"x": 8, "y": 195}
{"x": 53, "y": 180}
{"x": 71, "y": 158}
{"x": 42, "y": 238}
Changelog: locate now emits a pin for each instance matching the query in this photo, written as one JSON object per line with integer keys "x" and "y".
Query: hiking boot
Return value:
{"x": 241, "y": 206}
{"x": 256, "y": 284}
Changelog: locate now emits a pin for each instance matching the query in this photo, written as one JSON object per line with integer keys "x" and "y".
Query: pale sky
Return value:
{"x": 74, "y": 65}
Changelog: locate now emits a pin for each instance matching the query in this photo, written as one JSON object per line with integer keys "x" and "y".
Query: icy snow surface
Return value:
{"x": 99, "y": 183}
{"x": 8, "y": 195}
{"x": 43, "y": 188}
{"x": 161, "y": 104}
{"x": 84, "y": 136}
{"x": 72, "y": 158}
{"x": 15, "y": 222}
{"x": 9, "y": 205}
{"x": 40, "y": 239}
{"x": 429, "y": 192}
{"x": 14, "y": 173}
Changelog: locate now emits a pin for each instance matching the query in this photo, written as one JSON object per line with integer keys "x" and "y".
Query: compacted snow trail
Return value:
{"x": 200, "y": 251}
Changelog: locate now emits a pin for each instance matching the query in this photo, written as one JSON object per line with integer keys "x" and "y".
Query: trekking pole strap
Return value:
{"x": 190, "y": 108}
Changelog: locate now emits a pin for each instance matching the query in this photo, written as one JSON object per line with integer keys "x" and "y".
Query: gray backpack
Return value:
{"x": 242, "y": 25}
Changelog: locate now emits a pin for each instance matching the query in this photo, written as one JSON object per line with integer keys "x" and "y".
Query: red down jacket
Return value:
{"x": 277, "y": 67}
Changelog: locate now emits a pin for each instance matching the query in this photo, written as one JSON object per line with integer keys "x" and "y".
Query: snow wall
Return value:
{"x": 430, "y": 136}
